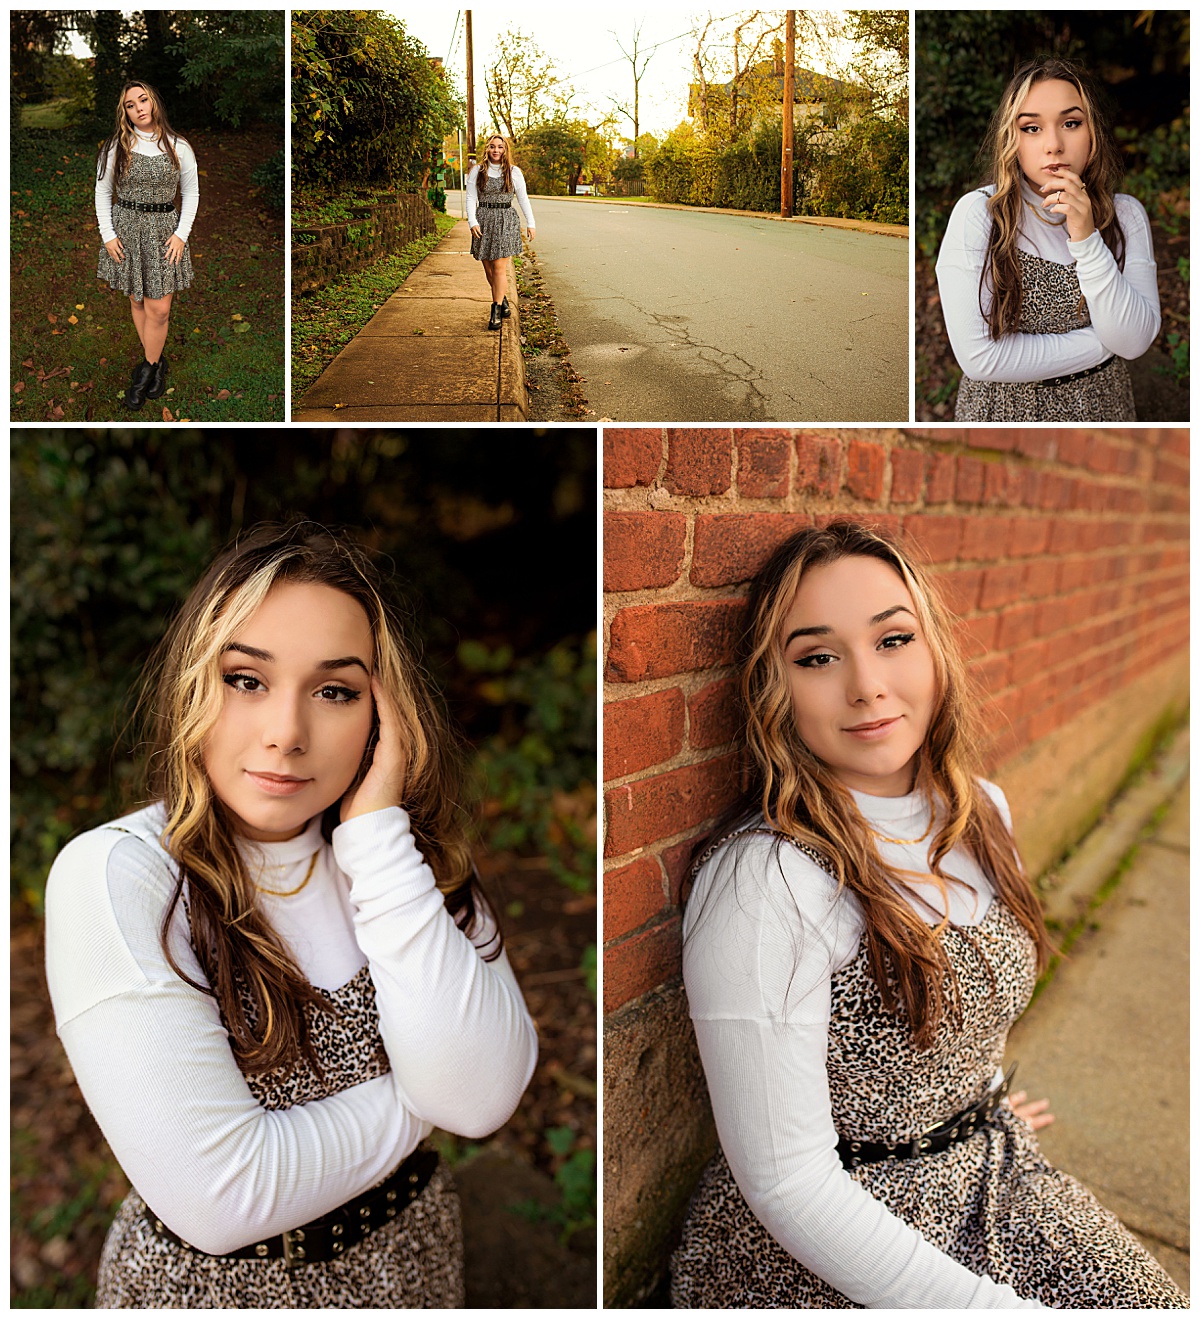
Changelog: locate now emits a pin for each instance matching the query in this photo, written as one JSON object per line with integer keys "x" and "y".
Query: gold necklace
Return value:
{"x": 291, "y": 893}
{"x": 905, "y": 842}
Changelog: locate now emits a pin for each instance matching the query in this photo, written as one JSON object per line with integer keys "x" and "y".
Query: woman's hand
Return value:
{"x": 174, "y": 246}
{"x": 477, "y": 231}
{"x": 529, "y": 231}
{"x": 383, "y": 785}
{"x": 1066, "y": 194}
{"x": 1033, "y": 1111}
{"x": 114, "y": 249}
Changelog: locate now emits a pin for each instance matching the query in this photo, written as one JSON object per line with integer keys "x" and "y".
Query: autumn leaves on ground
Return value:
{"x": 73, "y": 341}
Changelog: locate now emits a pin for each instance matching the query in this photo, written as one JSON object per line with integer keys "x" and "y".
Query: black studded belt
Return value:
{"x": 152, "y": 207}
{"x": 332, "y": 1235}
{"x": 1075, "y": 375}
{"x": 962, "y": 1126}
{"x": 496, "y": 206}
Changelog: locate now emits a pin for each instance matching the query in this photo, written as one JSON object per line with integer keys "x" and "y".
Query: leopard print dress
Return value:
{"x": 414, "y": 1262}
{"x": 1050, "y": 304}
{"x": 991, "y": 1202}
{"x": 144, "y": 271}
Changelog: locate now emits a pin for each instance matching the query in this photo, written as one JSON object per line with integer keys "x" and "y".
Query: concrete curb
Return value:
{"x": 1068, "y": 890}
{"x": 833, "y": 222}
{"x": 427, "y": 354}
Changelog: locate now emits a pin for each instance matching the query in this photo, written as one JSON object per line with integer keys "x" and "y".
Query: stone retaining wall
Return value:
{"x": 322, "y": 253}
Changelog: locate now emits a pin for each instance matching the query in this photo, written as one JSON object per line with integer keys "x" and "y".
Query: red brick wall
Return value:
{"x": 1064, "y": 552}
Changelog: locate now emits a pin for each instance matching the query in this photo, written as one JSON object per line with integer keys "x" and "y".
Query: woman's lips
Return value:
{"x": 872, "y": 732}
{"x": 277, "y": 785}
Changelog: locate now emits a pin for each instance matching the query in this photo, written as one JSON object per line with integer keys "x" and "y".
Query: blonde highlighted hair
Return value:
{"x": 1001, "y": 274}
{"x": 506, "y": 164}
{"x": 182, "y": 698}
{"x": 801, "y": 797}
{"x": 123, "y": 136}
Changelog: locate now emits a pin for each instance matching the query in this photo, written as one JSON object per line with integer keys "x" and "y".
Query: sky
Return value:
{"x": 583, "y": 44}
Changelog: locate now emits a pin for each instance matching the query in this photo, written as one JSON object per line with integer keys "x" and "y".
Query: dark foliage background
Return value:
{"x": 494, "y": 545}
{"x": 963, "y": 60}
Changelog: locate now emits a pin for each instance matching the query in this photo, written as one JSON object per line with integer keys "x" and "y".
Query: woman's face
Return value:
{"x": 861, "y": 674}
{"x": 139, "y": 108}
{"x": 297, "y": 710}
{"x": 1052, "y": 131}
{"x": 495, "y": 150}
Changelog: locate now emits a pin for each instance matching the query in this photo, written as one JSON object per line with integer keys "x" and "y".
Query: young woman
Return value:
{"x": 277, "y": 979}
{"x": 495, "y": 229}
{"x": 1047, "y": 274}
{"x": 145, "y": 253}
{"x": 858, "y": 941}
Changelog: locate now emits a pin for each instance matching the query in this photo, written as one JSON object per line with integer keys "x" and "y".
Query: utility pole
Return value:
{"x": 786, "y": 174}
{"x": 470, "y": 90}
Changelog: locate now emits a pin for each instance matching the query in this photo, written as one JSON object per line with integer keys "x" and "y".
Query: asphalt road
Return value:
{"x": 693, "y": 316}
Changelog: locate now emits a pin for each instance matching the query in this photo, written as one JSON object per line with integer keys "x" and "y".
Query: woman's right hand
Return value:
{"x": 477, "y": 231}
{"x": 114, "y": 249}
{"x": 1034, "y": 1111}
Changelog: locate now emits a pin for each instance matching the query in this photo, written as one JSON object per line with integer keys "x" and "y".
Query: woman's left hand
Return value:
{"x": 1066, "y": 194}
{"x": 174, "y": 246}
{"x": 1034, "y": 1111}
{"x": 529, "y": 231}
{"x": 383, "y": 785}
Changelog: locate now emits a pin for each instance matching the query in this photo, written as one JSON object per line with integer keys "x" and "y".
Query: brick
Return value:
{"x": 987, "y": 437}
{"x": 763, "y": 459}
{"x": 642, "y": 732}
{"x": 991, "y": 673}
{"x": 656, "y": 641}
{"x": 1018, "y": 625}
{"x": 648, "y": 809}
{"x": 631, "y": 457}
{"x": 864, "y": 470}
{"x": 1041, "y": 579}
{"x": 959, "y": 589}
{"x": 981, "y": 632}
{"x": 642, "y": 550}
{"x": 632, "y": 895}
{"x": 908, "y": 471}
{"x": 1001, "y": 586}
{"x": 1001, "y": 484}
{"x": 1028, "y": 536}
{"x": 820, "y": 465}
{"x": 699, "y": 462}
{"x": 642, "y": 962}
{"x": 968, "y": 481}
{"x": 732, "y": 547}
{"x": 714, "y": 716}
{"x": 983, "y": 537}
{"x": 936, "y": 537}
{"x": 677, "y": 862}
{"x": 1028, "y": 662}
{"x": 939, "y": 479}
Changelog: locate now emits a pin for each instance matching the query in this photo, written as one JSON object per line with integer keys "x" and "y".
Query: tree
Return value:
{"x": 238, "y": 55}
{"x": 523, "y": 86}
{"x": 730, "y": 89}
{"x": 553, "y": 156}
{"x": 632, "y": 55}
{"x": 34, "y": 36}
{"x": 368, "y": 107}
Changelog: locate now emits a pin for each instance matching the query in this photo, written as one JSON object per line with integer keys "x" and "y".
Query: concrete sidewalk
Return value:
{"x": 1107, "y": 1043}
{"x": 427, "y": 354}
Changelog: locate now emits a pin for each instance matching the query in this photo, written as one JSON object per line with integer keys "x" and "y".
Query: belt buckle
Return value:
{"x": 293, "y": 1252}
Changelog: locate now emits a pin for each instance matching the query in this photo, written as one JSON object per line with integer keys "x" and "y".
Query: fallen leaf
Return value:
{"x": 418, "y": 332}
{"x": 338, "y": 405}
{"x": 50, "y": 316}
{"x": 20, "y": 385}
{"x": 104, "y": 361}
{"x": 167, "y": 415}
{"x": 171, "y": 390}
{"x": 241, "y": 329}
{"x": 196, "y": 330}
{"x": 56, "y": 414}
{"x": 29, "y": 363}
{"x": 72, "y": 320}
{"x": 237, "y": 316}
{"x": 79, "y": 306}
{"x": 222, "y": 394}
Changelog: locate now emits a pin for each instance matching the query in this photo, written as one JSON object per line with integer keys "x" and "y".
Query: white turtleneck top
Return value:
{"x": 1123, "y": 304}
{"x": 760, "y": 950}
{"x": 495, "y": 172}
{"x": 153, "y": 1059}
{"x": 146, "y": 144}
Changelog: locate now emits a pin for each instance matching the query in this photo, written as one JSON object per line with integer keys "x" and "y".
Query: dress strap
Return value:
{"x": 818, "y": 858}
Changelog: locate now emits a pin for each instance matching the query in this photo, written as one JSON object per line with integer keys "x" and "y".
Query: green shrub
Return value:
{"x": 271, "y": 177}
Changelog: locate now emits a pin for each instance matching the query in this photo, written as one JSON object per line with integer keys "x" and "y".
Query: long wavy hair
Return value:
{"x": 1001, "y": 274}
{"x": 181, "y": 699}
{"x": 124, "y": 133}
{"x": 801, "y": 797}
{"x": 506, "y": 164}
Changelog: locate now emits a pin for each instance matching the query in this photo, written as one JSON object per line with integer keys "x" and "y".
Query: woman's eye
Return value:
{"x": 821, "y": 660}
{"x": 1073, "y": 123}
{"x": 242, "y": 682}
{"x": 339, "y": 695}
{"x": 897, "y": 640}
{"x": 1029, "y": 128}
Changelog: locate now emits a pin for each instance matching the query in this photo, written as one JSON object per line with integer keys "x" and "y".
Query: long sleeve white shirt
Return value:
{"x": 1123, "y": 305}
{"x": 153, "y": 1059}
{"x": 519, "y": 191}
{"x": 764, "y": 932}
{"x": 146, "y": 144}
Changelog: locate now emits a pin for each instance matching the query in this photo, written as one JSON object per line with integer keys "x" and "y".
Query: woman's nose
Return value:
{"x": 284, "y": 726}
{"x": 864, "y": 680}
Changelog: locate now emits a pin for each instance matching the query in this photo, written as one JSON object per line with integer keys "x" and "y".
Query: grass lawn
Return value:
{"x": 50, "y": 114}
{"x": 323, "y": 323}
{"x": 73, "y": 343}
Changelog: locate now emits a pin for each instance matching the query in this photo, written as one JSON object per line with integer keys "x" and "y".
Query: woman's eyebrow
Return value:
{"x": 325, "y": 666}
{"x": 1028, "y": 114}
{"x": 824, "y": 630}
